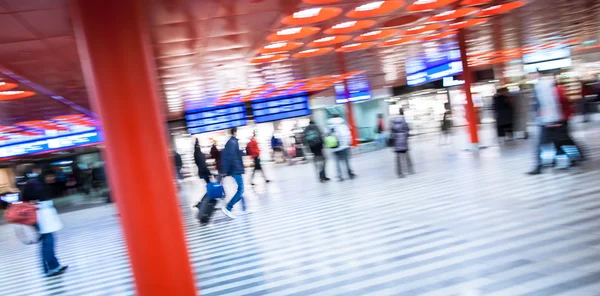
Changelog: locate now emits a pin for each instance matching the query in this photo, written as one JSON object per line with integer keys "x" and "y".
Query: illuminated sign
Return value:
{"x": 273, "y": 109}
{"x": 358, "y": 90}
{"x": 434, "y": 74}
{"x": 449, "y": 81}
{"x": 433, "y": 57}
{"x": 549, "y": 65}
{"x": 42, "y": 145}
{"x": 215, "y": 118}
{"x": 546, "y": 55}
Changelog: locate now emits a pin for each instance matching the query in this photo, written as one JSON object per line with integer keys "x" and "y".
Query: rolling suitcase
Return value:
{"x": 206, "y": 206}
{"x": 206, "y": 209}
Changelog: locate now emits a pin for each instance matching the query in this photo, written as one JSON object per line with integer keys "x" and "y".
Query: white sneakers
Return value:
{"x": 228, "y": 213}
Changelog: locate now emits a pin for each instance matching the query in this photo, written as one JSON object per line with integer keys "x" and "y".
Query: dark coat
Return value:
{"x": 231, "y": 158}
{"x": 399, "y": 133}
{"x": 317, "y": 147}
{"x": 216, "y": 155}
{"x": 178, "y": 161}
{"x": 200, "y": 161}
{"x": 504, "y": 110}
{"x": 34, "y": 190}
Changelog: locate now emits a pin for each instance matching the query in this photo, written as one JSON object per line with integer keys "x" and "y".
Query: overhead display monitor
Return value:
{"x": 434, "y": 74}
{"x": 278, "y": 108}
{"x": 433, "y": 57}
{"x": 435, "y": 63}
{"x": 358, "y": 90}
{"x": 215, "y": 118}
{"x": 546, "y": 55}
{"x": 48, "y": 144}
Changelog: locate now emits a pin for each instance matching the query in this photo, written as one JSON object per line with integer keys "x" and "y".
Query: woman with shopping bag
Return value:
{"x": 47, "y": 222}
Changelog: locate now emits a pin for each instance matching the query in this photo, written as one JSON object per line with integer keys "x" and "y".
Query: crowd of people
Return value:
{"x": 552, "y": 107}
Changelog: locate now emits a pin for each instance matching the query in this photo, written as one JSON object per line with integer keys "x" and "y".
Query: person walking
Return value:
{"x": 200, "y": 160}
{"x": 253, "y": 151}
{"x": 446, "y": 126}
{"x": 504, "y": 113}
{"x": 399, "y": 133}
{"x": 550, "y": 116}
{"x": 216, "y": 155}
{"x": 340, "y": 130}
{"x": 47, "y": 222}
{"x": 233, "y": 165}
{"x": 178, "y": 165}
{"x": 380, "y": 131}
{"x": 314, "y": 139}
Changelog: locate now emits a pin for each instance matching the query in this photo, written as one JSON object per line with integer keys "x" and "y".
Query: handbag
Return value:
{"x": 21, "y": 213}
{"x": 28, "y": 235}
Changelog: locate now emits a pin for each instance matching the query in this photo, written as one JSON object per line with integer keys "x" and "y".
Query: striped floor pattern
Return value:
{"x": 463, "y": 225}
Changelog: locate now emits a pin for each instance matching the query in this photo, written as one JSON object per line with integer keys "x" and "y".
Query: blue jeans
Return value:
{"x": 49, "y": 261}
{"x": 239, "y": 194}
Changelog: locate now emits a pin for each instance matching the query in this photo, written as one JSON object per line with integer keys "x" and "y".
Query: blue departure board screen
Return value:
{"x": 215, "y": 118}
{"x": 272, "y": 109}
{"x": 50, "y": 143}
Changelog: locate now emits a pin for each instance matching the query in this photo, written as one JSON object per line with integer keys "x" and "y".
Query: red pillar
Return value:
{"x": 349, "y": 111}
{"x": 115, "y": 56}
{"x": 472, "y": 116}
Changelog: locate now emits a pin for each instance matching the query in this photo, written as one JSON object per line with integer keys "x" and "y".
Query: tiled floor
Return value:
{"x": 463, "y": 225}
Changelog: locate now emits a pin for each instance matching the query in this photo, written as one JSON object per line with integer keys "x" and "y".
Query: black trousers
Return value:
{"x": 558, "y": 136}
{"x": 257, "y": 167}
{"x": 409, "y": 166}
{"x": 320, "y": 164}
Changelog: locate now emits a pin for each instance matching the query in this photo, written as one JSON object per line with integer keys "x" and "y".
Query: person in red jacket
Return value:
{"x": 253, "y": 151}
{"x": 565, "y": 139}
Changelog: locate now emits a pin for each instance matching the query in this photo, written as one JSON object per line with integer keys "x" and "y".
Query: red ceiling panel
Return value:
{"x": 168, "y": 12}
{"x": 17, "y": 31}
{"x": 176, "y": 61}
{"x": 174, "y": 49}
{"x": 49, "y": 23}
{"x": 27, "y": 5}
{"x": 240, "y": 7}
{"x": 229, "y": 42}
{"x": 21, "y": 51}
{"x": 172, "y": 33}
{"x": 241, "y": 24}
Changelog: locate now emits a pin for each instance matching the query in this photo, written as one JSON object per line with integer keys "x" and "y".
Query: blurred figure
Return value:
{"x": 522, "y": 108}
{"x": 200, "y": 160}
{"x": 178, "y": 164}
{"x": 314, "y": 139}
{"x": 48, "y": 222}
{"x": 504, "y": 112}
{"x": 233, "y": 165}
{"x": 590, "y": 94}
{"x": 399, "y": 137}
{"x": 340, "y": 130}
{"x": 216, "y": 155}
{"x": 446, "y": 126}
{"x": 277, "y": 146}
{"x": 550, "y": 116}
{"x": 380, "y": 131}
{"x": 253, "y": 151}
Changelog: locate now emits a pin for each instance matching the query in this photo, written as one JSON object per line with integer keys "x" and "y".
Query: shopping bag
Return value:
{"x": 28, "y": 235}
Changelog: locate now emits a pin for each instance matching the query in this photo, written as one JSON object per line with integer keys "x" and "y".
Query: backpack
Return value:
{"x": 331, "y": 141}
{"x": 21, "y": 213}
{"x": 214, "y": 190}
{"x": 312, "y": 137}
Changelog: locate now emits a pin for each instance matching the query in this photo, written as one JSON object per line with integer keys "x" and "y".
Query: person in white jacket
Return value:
{"x": 337, "y": 126}
{"x": 48, "y": 222}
